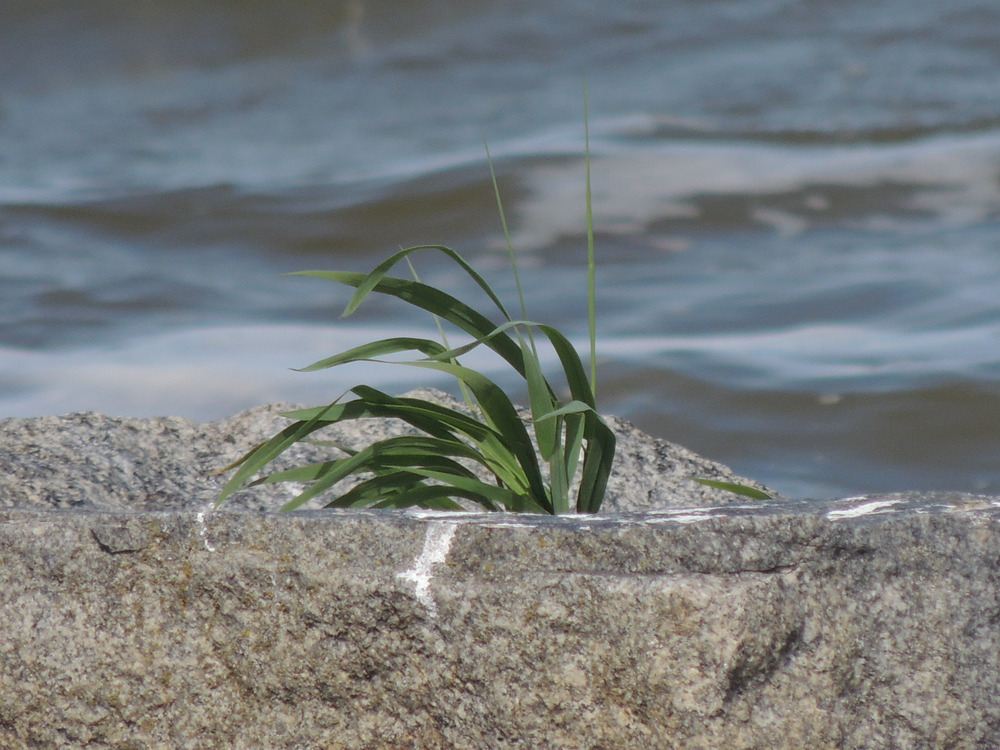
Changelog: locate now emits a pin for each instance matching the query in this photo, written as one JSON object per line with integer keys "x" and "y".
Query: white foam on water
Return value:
{"x": 635, "y": 184}
{"x": 201, "y": 373}
{"x": 211, "y": 372}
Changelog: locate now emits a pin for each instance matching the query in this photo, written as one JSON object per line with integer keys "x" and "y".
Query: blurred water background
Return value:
{"x": 797, "y": 205}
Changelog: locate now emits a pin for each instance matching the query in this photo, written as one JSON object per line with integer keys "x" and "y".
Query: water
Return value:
{"x": 796, "y": 204}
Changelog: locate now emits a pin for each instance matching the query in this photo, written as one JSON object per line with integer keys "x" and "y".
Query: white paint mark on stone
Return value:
{"x": 203, "y": 530}
{"x": 450, "y": 514}
{"x": 688, "y": 518}
{"x": 437, "y": 543}
{"x": 683, "y": 515}
{"x": 862, "y": 510}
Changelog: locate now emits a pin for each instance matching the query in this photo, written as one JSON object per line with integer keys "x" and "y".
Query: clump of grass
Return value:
{"x": 431, "y": 469}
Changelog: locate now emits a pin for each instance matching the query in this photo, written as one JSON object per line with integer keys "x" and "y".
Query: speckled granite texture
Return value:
{"x": 870, "y": 622}
{"x": 96, "y": 461}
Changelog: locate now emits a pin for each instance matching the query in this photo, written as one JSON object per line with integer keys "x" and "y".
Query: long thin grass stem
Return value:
{"x": 591, "y": 306}
{"x": 506, "y": 234}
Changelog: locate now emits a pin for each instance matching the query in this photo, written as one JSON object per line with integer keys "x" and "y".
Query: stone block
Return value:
{"x": 865, "y": 623}
{"x": 134, "y": 615}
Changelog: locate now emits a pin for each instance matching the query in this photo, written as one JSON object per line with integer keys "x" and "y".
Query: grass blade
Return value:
{"x": 739, "y": 489}
{"x": 371, "y": 282}
{"x": 375, "y": 349}
{"x": 438, "y": 303}
{"x": 265, "y": 452}
{"x": 591, "y": 260}
{"x": 504, "y": 419}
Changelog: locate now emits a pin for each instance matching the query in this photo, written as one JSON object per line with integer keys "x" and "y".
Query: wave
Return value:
{"x": 201, "y": 373}
{"x": 947, "y": 179}
{"x": 821, "y": 357}
{"x": 206, "y": 372}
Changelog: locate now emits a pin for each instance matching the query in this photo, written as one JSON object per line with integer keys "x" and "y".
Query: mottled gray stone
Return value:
{"x": 134, "y": 616}
{"x": 92, "y": 460}
{"x": 864, "y": 623}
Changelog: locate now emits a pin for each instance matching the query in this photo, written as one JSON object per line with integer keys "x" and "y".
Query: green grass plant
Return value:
{"x": 485, "y": 454}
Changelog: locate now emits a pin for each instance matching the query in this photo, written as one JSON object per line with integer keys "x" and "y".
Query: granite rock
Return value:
{"x": 863, "y": 623}
{"x": 96, "y": 461}
{"x": 135, "y": 616}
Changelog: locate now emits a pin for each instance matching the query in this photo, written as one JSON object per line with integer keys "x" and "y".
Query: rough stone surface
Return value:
{"x": 132, "y": 616}
{"x": 91, "y": 460}
{"x": 865, "y": 623}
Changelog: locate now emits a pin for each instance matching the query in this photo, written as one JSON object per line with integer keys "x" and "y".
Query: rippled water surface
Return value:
{"x": 797, "y": 207}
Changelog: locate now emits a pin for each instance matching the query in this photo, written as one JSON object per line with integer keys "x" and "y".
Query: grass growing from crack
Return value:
{"x": 431, "y": 469}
